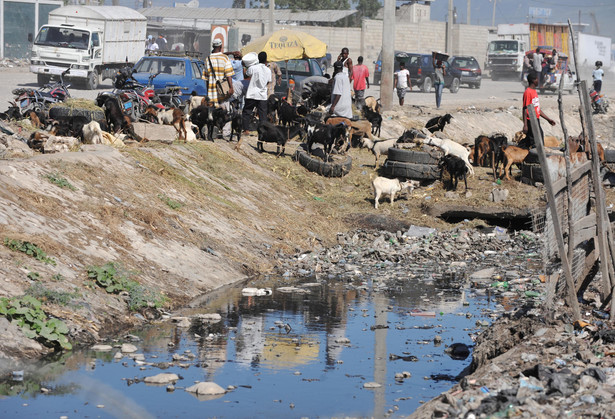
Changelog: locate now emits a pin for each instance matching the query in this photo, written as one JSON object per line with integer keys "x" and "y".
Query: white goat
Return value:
{"x": 190, "y": 135}
{"x": 165, "y": 117}
{"x": 92, "y": 134}
{"x": 378, "y": 147}
{"x": 195, "y": 101}
{"x": 451, "y": 147}
{"x": 385, "y": 186}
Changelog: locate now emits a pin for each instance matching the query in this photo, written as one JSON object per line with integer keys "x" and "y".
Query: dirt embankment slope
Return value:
{"x": 184, "y": 219}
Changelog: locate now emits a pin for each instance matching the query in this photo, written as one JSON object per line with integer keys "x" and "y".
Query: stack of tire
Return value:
{"x": 63, "y": 110}
{"x": 531, "y": 171}
{"x": 413, "y": 164}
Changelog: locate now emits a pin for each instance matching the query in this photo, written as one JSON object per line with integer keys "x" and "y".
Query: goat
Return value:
{"x": 70, "y": 126}
{"x": 374, "y": 118}
{"x": 456, "y": 168}
{"x": 270, "y": 133}
{"x": 236, "y": 126}
{"x": 150, "y": 114}
{"x": 328, "y": 135}
{"x": 373, "y": 104}
{"x": 385, "y": 186}
{"x": 38, "y": 119}
{"x": 358, "y": 129}
{"x": 410, "y": 136}
{"x": 438, "y": 123}
{"x": 217, "y": 117}
{"x": 92, "y": 134}
{"x": 496, "y": 142}
{"x": 175, "y": 117}
{"x": 550, "y": 141}
{"x": 287, "y": 113}
{"x": 37, "y": 139}
{"x": 482, "y": 146}
{"x": 519, "y": 135}
{"x": 378, "y": 148}
{"x": 196, "y": 101}
{"x": 451, "y": 147}
{"x": 199, "y": 117}
{"x": 273, "y": 105}
{"x": 116, "y": 120}
{"x": 512, "y": 155}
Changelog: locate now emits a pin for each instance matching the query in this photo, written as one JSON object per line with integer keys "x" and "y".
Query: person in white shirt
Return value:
{"x": 402, "y": 82}
{"x": 256, "y": 95}
{"x": 341, "y": 100}
{"x": 597, "y": 76}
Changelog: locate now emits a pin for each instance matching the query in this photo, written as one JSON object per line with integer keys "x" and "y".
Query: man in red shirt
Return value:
{"x": 530, "y": 97}
{"x": 360, "y": 74}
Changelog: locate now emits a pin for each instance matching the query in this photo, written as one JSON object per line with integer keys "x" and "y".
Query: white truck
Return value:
{"x": 505, "y": 54}
{"x": 92, "y": 41}
{"x": 592, "y": 48}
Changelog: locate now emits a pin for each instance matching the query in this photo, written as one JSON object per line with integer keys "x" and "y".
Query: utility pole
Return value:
{"x": 388, "y": 48}
{"x": 449, "y": 29}
{"x": 468, "y": 21}
{"x": 493, "y": 15}
{"x": 271, "y": 9}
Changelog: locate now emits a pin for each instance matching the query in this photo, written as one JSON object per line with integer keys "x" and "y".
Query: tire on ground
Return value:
{"x": 59, "y": 112}
{"x": 411, "y": 156}
{"x": 532, "y": 156}
{"x": 414, "y": 171}
{"x": 532, "y": 171}
{"x": 609, "y": 155}
{"x": 327, "y": 169}
{"x": 426, "y": 87}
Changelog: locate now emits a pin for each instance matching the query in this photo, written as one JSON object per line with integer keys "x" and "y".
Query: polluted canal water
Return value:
{"x": 360, "y": 345}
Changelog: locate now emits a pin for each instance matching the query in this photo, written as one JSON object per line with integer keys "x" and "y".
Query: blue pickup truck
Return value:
{"x": 182, "y": 71}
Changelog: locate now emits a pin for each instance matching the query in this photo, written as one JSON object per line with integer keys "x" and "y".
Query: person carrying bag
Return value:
{"x": 219, "y": 89}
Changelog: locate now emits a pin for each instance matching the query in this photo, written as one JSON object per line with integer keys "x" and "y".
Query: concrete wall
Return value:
{"x": 421, "y": 37}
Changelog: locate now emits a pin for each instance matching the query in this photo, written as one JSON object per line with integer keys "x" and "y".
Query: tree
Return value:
{"x": 368, "y": 8}
{"x": 239, "y": 4}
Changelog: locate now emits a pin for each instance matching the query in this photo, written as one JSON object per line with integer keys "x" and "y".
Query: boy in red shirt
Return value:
{"x": 360, "y": 74}
{"x": 530, "y": 97}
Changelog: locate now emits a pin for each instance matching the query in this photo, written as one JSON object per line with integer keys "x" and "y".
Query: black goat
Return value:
{"x": 438, "y": 123}
{"x": 116, "y": 120}
{"x": 409, "y": 136}
{"x": 328, "y": 135}
{"x": 273, "y": 105}
{"x": 199, "y": 117}
{"x": 236, "y": 126}
{"x": 496, "y": 142}
{"x": 70, "y": 126}
{"x": 456, "y": 168}
{"x": 270, "y": 133}
{"x": 287, "y": 114}
{"x": 217, "y": 118}
{"x": 374, "y": 118}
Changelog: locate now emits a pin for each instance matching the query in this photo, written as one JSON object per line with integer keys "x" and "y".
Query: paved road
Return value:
{"x": 491, "y": 94}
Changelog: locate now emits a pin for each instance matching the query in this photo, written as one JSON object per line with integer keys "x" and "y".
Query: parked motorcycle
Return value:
{"x": 39, "y": 100}
{"x": 135, "y": 97}
{"x": 600, "y": 103}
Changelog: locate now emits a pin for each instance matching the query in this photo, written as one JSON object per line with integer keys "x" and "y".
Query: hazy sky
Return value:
{"x": 506, "y": 11}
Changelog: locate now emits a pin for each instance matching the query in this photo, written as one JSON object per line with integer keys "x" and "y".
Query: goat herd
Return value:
{"x": 309, "y": 123}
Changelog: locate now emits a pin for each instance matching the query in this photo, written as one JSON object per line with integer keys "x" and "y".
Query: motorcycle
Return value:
{"x": 600, "y": 104}
{"x": 135, "y": 97}
{"x": 39, "y": 100}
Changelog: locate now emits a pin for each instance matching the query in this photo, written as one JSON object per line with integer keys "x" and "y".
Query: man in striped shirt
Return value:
{"x": 221, "y": 67}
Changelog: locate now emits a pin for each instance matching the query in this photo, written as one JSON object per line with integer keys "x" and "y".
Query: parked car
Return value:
{"x": 422, "y": 73}
{"x": 183, "y": 71}
{"x": 299, "y": 72}
{"x": 399, "y": 56}
{"x": 466, "y": 69}
{"x": 325, "y": 62}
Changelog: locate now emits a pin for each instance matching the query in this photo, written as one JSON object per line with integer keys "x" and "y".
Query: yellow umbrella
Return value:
{"x": 287, "y": 44}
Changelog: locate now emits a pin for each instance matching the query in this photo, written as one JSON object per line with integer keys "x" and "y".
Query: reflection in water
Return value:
{"x": 324, "y": 339}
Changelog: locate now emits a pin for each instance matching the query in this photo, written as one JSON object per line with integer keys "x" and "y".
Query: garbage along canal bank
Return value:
{"x": 373, "y": 327}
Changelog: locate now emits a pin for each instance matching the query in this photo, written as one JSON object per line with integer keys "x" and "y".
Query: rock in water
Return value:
{"x": 162, "y": 378}
{"x": 206, "y": 388}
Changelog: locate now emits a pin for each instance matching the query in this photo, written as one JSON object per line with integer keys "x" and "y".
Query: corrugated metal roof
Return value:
{"x": 214, "y": 13}
{"x": 99, "y": 12}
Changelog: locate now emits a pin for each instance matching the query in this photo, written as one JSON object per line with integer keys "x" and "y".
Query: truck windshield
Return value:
{"x": 503, "y": 46}
{"x": 63, "y": 37}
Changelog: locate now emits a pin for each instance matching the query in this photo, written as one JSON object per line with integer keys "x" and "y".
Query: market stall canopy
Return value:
{"x": 287, "y": 44}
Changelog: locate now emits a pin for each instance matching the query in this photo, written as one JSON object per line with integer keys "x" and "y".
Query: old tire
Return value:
{"x": 532, "y": 156}
{"x": 532, "y": 172}
{"x": 426, "y": 88}
{"x": 60, "y": 112}
{"x": 414, "y": 171}
{"x": 92, "y": 81}
{"x": 42, "y": 79}
{"x": 327, "y": 169}
{"x": 455, "y": 85}
{"x": 412, "y": 156}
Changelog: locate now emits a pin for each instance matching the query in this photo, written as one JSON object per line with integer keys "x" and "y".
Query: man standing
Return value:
{"x": 341, "y": 102}
{"x": 402, "y": 82}
{"x": 537, "y": 63}
{"x": 162, "y": 43}
{"x": 217, "y": 67}
{"x": 360, "y": 73}
{"x": 530, "y": 97}
{"x": 276, "y": 77}
{"x": 256, "y": 96}
{"x": 597, "y": 75}
{"x": 346, "y": 63}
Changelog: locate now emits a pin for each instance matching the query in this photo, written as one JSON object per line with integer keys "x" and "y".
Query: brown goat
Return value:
{"x": 179, "y": 122}
{"x": 551, "y": 141}
{"x": 482, "y": 147}
{"x": 512, "y": 155}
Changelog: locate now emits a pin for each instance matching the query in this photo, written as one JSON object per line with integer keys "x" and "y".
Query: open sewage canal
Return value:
{"x": 376, "y": 342}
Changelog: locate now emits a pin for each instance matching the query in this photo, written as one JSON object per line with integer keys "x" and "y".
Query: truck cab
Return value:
{"x": 505, "y": 58}
{"x": 57, "y": 47}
